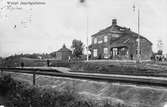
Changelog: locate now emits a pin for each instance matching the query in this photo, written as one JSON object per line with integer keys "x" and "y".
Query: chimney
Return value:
{"x": 114, "y": 21}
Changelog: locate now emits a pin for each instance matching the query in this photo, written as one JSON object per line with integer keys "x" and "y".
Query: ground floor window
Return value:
{"x": 123, "y": 51}
{"x": 105, "y": 52}
{"x": 119, "y": 52}
{"x": 115, "y": 51}
{"x": 95, "y": 52}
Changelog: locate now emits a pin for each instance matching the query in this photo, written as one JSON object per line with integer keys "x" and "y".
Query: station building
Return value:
{"x": 119, "y": 43}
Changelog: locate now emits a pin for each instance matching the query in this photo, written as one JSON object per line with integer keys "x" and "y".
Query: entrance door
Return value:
{"x": 115, "y": 52}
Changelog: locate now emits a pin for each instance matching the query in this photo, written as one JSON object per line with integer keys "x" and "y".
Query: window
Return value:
{"x": 115, "y": 50}
{"x": 95, "y": 52}
{"x": 126, "y": 41}
{"x": 105, "y": 52}
{"x": 115, "y": 35}
{"x": 105, "y": 38}
{"x": 100, "y": 41}
{"x": 95, "y": 40}
{"x": 123, "y": 51}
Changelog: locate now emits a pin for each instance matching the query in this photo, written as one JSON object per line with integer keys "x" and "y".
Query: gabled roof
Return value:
{"x": 119, "y": 42}
{"x": 64, "y": 49}
{"x": 114, "y": 28}
{"x": 135, "y": 35}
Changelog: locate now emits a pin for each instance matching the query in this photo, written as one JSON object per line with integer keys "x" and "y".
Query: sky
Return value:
{"x": 44, "y": 28}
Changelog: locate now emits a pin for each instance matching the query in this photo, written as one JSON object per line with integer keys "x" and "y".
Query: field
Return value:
{"x": 121, "y": 67}
{"x": 95, "y": 93}
{"x": 97, "y": 66}
{"x": 102, "y": 92}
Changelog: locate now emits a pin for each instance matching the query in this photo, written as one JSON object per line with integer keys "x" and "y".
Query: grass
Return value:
{"x": 85, "y": 93}
{"x": 21, "y": 94}
{"x": 108, "y": 67}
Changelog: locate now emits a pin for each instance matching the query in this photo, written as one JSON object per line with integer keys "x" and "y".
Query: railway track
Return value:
{"x": 141, "y": 80}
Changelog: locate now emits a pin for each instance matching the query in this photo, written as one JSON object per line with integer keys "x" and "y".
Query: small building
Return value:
{"x": 116, "y": 42}
{"x": 63, "y": 54}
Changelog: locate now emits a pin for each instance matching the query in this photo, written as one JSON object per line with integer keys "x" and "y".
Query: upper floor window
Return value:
{"x": 100, "y": 41}
{"x": 95, "y": 40}
{"x": 115, "y": 35}
{"x": 105, "y": 38}
{"x": 95, "y": 52}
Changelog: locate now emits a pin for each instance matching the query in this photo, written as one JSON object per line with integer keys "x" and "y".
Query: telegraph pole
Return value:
{"x": 138, "y": 41}
{"x": 87, "y": 49}
{"x": 84, "y": 4}
{"x": 138, "y": 59}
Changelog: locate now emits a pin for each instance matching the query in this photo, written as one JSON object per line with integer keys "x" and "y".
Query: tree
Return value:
{"x": 77, "y": 47}
{"x": 1, "y": 60}
{"x": 160, "y": 47}
{"x": 160, "y": 52}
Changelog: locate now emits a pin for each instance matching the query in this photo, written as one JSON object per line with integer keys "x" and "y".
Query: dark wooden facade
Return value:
{"x": 116, "y": 42}
{"x": 63, "y": 54}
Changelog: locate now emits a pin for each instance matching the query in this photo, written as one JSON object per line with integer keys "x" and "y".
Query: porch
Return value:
{"x": 120, "y": 53}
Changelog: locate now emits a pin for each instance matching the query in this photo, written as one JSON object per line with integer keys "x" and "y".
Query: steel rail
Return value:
{"x": 141, "y": 80}
{"x": 30, "y": 69}
{"x": 112, "y": 73}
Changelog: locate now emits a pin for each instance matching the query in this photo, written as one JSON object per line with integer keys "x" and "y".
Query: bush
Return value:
{"x": 5, "y": 84}
{"x": 21, "y": 94}
{"x": 60, "y": 63}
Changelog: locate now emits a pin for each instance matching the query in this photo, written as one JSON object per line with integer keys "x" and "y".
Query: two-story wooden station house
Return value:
{"x": 116, "y": 42}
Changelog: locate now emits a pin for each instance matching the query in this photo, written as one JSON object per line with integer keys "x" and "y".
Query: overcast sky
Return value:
{"x": 45, "y": 28}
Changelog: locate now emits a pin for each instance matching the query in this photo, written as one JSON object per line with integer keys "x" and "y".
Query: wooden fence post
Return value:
{"x": 1, "y": 72}
{"x": 34, "y": 74}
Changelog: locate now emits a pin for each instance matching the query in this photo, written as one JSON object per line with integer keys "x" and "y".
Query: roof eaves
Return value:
{"x": 102, "y": 31}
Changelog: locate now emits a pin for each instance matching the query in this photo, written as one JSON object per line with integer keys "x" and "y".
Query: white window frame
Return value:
{"x": 115, "y": 51}
{"x": 95, "y": 41}
{"x": 105, "y": 38}
{"x": 105, "y": 50}
{"x": 100, "y": 41}
{"x": 115, "y": 35}
{"x": 94, "y": 52}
